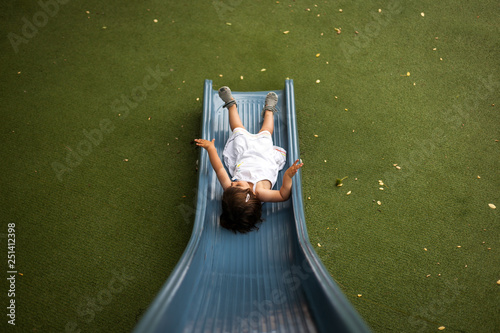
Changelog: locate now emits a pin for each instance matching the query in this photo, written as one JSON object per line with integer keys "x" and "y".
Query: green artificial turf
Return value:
{"x": 98, "y": 233}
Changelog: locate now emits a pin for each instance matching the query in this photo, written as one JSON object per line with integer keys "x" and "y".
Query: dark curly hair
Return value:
{"x": 238, "y": 215}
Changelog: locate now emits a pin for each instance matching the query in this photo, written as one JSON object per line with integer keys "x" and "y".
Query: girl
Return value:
{"x": 253, "y": 163}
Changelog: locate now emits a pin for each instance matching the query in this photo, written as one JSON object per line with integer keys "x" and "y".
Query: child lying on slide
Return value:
{"x": 253, "y": 163}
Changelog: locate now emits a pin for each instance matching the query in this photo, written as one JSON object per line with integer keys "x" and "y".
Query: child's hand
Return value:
{"x": 205, "y": 143}
{"x": 293, "y": 169}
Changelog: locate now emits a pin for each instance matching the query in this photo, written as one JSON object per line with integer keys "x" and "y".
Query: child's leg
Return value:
{"x": 234, "y": 117}
{"x": 268, "y": 124}
{"x": 268, "y": 112}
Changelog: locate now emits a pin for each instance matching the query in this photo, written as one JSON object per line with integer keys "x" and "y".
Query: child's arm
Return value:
{"x": 286, "y": 188}
{"x": 217, "y": 165}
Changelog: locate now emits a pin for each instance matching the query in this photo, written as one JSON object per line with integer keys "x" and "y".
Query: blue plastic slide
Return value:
{"x": 269, "y": 280}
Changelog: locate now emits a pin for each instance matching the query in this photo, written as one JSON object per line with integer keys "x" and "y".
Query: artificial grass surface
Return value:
{"x": 95, "y": 247}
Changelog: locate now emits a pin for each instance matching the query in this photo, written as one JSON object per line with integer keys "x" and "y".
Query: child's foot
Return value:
{"x": 271, "y": 101}
{"x": 225, "y": 95}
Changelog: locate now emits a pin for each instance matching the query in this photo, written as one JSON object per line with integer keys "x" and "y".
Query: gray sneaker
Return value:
{"x": 271, "y": 101}
{"x": 225, "y": 95}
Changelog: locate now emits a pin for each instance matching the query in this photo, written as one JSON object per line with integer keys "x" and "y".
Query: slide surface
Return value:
{"x": 269, "y": 280}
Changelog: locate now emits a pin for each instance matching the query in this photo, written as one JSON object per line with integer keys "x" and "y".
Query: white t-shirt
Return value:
{"x": 252, "y": 157}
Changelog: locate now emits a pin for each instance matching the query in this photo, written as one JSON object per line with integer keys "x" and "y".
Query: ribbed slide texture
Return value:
{"x": 269, "y": 280}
